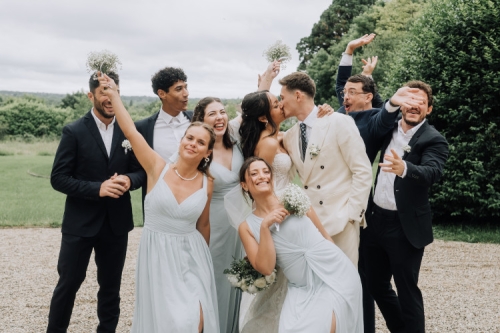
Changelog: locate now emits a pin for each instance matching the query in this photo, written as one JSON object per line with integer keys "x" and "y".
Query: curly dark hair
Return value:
{"x": 199, "y": 115}
{"x": 244, "y": 171}
{"x": 94, "y": 84}
{"x": 253, "y": 106}
{"x": 166, "y": 77}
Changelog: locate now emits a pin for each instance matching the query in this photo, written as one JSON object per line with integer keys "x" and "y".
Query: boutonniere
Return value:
{"x": 314, "y": 151}
{"x": 126, "y": 144}
{"x": 407, "y": 148}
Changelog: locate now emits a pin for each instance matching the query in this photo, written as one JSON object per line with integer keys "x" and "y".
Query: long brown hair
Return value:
{"x": 202, "y": 167}
{"x": 199, "y": 115}
{"x": 244, "y": 171}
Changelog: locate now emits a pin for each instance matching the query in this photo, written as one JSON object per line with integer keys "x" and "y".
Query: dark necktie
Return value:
{"x": 303, "y": 140}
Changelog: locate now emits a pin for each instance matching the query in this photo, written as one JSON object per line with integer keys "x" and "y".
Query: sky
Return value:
{"x": 219, "y": 43}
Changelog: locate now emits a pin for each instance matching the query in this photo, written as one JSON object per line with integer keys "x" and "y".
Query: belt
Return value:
{"x": 393, "y": 214}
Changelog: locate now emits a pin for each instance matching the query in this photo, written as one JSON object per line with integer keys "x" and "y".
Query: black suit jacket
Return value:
{"x": 81, "y": 165}
{"x": 425, "y": 163}
{"x": 146, "y": 127}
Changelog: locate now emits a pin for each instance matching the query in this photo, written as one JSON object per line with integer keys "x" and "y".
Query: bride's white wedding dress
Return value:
{"x": 322, "y": 279}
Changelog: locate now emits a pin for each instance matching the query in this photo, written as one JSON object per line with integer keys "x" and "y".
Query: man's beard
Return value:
{"x": 412, "y": 123}
{"x": 99, "y": 108}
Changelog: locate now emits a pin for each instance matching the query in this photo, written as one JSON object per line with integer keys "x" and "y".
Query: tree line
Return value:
{"x": 453, "y": 45}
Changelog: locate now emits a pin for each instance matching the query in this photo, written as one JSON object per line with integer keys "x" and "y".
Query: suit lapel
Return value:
{"x": 114, "y": 142}
{"x": 415, "y": 137}
{"x": 92, "y": 126}
{"x": 151, "y": 128}
{"x": 317, "y": 139}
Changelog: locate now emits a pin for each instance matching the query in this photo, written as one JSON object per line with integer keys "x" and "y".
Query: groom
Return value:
{"x": 330, "y": 158}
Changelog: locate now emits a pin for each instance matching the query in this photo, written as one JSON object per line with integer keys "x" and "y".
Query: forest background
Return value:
{"x": 454, "y": 45}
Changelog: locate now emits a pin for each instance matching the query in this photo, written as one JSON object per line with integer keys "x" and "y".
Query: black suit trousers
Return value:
{"x": 388, "y": 253}
{"x": 74, "y": 256}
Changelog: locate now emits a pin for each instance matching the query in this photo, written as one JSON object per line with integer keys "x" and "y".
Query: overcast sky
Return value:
{"x": 219, "y": 43}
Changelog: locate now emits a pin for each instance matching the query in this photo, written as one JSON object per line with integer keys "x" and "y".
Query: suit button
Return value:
{"x": 322, "y": 167}
{"x": 305, "y": 187}
{"x": 318, "y": 187}
{"x": 321, "y": 202}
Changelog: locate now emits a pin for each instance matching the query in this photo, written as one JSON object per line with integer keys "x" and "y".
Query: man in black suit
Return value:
{"x": 164, "y": 130}
{"x": 357, "y": 95}
{"x": 96, "y": 173}
{"x": 399, "y": 214}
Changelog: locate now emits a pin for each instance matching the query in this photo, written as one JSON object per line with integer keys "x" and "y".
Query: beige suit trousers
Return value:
{"x": 348, "y": 241}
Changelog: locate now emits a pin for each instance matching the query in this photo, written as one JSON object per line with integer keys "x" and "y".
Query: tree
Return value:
{"x": 455, "y": 47}
{"x": 334, "y": 22}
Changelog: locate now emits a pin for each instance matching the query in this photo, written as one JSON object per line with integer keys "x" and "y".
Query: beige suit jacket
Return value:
{"x": 338, "y": 180}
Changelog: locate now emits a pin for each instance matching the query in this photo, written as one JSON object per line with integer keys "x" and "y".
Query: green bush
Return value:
{"x": 30, "y": 117}
{"x": 455, "y": 47}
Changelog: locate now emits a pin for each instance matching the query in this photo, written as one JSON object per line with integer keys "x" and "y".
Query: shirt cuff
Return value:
{"x": 390, "y": 108}
{"x": 404, "y": 172}
{"x": 346, "y": 60}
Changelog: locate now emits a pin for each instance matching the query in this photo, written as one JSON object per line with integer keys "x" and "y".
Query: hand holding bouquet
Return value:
{"x": 243, "y": 276}
{"x": 278, "y": 51}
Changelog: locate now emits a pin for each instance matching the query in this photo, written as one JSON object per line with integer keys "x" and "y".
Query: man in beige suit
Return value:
{"x": 330, "y": 158}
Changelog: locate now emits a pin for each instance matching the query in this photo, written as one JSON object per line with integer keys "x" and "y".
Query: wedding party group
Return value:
{"x": 213, "y": 191}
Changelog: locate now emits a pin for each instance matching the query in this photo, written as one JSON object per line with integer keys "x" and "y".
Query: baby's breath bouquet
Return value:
{"x": 103, "y": 62}
{"x": 243, "y": 276}
{"x": 295, "y": 200}
{"x": 278, "y": 51}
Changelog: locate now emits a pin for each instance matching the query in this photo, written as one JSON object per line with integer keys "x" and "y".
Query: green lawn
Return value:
{"x": 27, "y": 200}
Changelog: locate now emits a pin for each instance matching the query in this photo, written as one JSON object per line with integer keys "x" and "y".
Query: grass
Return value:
{"x": 27, "y": 199}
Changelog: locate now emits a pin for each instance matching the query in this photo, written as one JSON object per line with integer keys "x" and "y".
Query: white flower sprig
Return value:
{"x": 126, "y": 144}
{"x": 103, "y": 62}
{"x": 243, "y": 276}
{"x": 278, "y": 51}
{"x": 295, "y": 200}
{"x": 407, "y": 148}
{"x": 314, "y": 151}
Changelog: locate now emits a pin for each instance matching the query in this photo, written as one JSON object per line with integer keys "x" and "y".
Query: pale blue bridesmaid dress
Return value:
{"x": 225, "y": 243}
{"x": 174, "y": 268}
{"x": 321, "y": 279}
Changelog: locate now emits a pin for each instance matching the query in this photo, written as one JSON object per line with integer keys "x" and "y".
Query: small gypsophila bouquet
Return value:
{"x": 243, "y": 276}
{"x": 295, "y": 200}
{"x": 278, "y": 51}
{"x": 104, "y": 62}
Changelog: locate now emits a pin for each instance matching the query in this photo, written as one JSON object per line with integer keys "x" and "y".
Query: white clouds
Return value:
{"x": 218, "y": 43}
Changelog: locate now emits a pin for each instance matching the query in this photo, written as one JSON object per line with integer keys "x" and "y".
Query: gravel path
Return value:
{"x": 460, "y": 283}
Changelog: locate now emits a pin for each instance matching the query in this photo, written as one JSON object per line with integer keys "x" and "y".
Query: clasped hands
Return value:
{"x": 115, "y": 186}
{"x": 393, "y": 164}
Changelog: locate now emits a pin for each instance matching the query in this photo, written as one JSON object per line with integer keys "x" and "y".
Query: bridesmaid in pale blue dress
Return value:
{"x": 324, "y": 289}
{"x": 175, "y": 285}
{"x": 225, "y": 244}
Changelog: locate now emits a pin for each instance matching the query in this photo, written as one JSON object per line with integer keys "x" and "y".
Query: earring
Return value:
{"x": 266, "y": 124}
{"x": 206, "y": 162}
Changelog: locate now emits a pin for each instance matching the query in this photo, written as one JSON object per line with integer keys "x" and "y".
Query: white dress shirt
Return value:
{"x": 168, "y": 132}
{"x": 384, "y": 191}
{"x": 106, "y": 131}
{"x": 309, "y": 121}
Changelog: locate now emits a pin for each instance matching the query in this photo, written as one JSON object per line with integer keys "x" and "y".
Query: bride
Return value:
{"x": 260, "y": 136}
{"x": 324, "y": 290}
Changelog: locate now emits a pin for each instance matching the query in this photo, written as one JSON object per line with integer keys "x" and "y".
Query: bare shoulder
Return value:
{"x": 267, "y": 143}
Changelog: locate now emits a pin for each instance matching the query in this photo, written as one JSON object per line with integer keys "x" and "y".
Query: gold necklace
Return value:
{"x": 183, "y": 178}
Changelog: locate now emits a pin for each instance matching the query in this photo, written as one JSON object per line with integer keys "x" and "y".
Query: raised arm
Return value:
{"x": 147, "y": 157}
{"x": 266, "y": 79}
{"x": 262, "y": 255}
